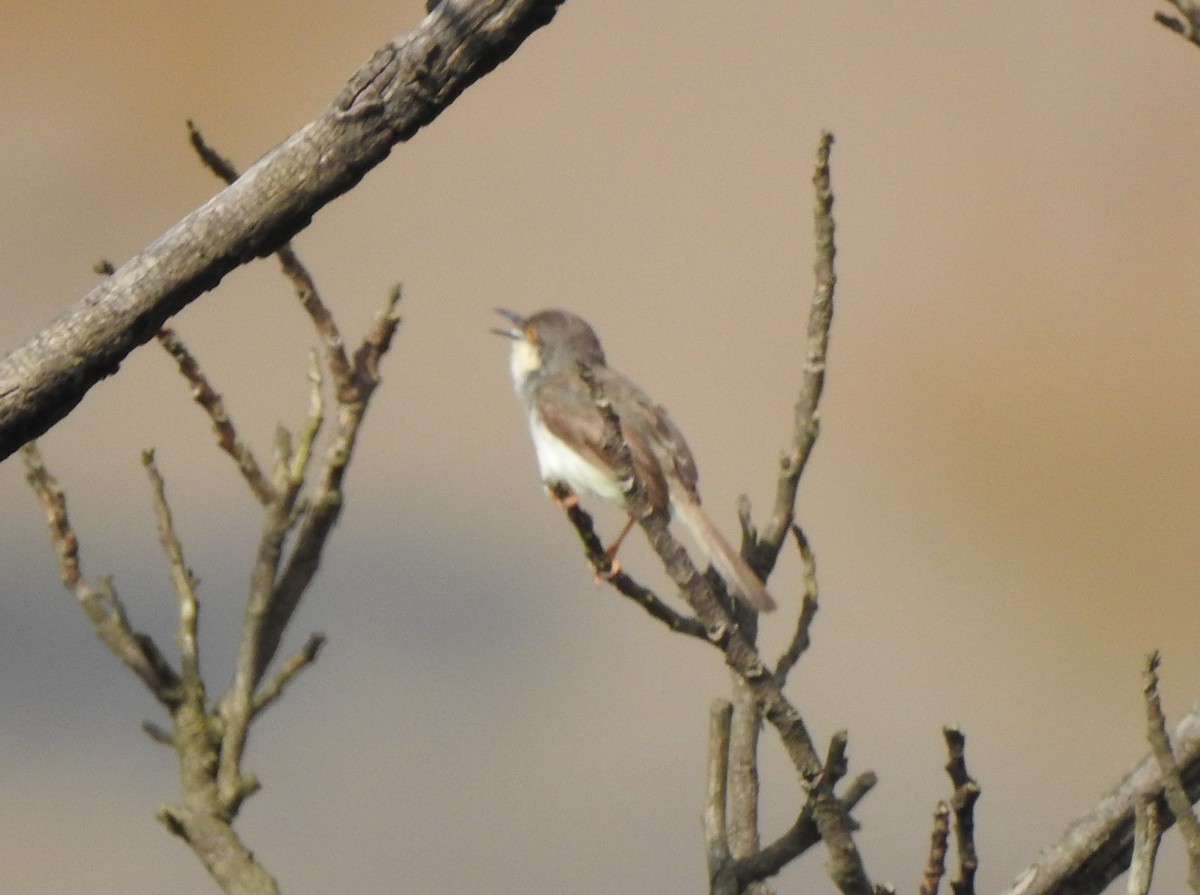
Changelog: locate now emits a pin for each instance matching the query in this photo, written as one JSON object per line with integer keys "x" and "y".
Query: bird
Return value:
{"x": 559, "y": 371}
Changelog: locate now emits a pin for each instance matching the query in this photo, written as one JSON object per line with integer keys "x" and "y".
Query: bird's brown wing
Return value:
{"x": 655, "y": 427}
{"x": 568, "y": 410}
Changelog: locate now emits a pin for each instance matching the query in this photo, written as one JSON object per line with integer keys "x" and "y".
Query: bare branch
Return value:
{"x": 715, "y": 835}
{"x": 966, "y": 794}
{"x": 834, "y": 768}
{"x": 324, "y": 504}
{"x": 207, "y": 397}
{"x": 1178, "y": 800}
{"x": 220, "y": 850}
{"x": 322, "y": 320}
{"x": 808, "y": 611}
{"x": 405, "y": 85}
{"x": 182, "y": 581}
{"x": 798, "y": 838}
{"x": 376, "y": 342}
{"x": 743, "y": 779}
{"x": 236, "y": 706}
{"x": 845, "y": 864}
{"x": 293, "y": 268}
{"x": 101, "y": 604}
{"x": 700, "y": 592}
{"x": 1147, "y": 835}
{"x": 1096, "y": 848}
{"x": 271, "y": 692}
{"x": 278, "y": 585}
{"x": 297, "y": 469}
{"x": 222, "y": 167}
{"x": 935, "y": 864}
{"x": 725, "y": 626}
{"x": 806, "y": 423}
{"x": 204, "y": 819}
{"x": 743, "y": 770}
{"x": 210, "y": 744}
{"x": 158, "y": 734}
{"x": 601, "y": 563}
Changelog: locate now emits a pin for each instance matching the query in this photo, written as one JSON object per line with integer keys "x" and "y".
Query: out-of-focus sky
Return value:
{"x": 1004, "y": 501}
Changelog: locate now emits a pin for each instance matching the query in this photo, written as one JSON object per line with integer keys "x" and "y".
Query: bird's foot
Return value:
{"x": 613, "y": 570}
{"x": 610, "y": 553}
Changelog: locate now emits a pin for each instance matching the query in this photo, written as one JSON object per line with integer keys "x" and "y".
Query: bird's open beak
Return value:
{"x": 518, "y": 322}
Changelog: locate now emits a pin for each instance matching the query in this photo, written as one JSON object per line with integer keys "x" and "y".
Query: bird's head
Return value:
{"x": 548, "y": 340}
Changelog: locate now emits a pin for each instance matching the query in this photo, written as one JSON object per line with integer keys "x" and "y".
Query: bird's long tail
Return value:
{"x": 742, "y": 582}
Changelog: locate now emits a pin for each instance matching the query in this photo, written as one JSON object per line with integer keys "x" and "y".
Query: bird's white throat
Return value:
{"x": 523, "y": 360}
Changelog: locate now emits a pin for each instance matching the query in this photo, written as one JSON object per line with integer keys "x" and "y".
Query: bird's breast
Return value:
{"x": 560, "y": 463}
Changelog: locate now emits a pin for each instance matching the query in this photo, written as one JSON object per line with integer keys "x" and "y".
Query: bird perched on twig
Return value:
{"x": 559, "y": 371}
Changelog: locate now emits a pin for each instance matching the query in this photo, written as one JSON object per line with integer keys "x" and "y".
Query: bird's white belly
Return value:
{"x": 558, "y": 463}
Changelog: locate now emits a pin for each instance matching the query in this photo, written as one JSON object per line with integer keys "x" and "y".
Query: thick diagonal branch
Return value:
{"x": 404, "y": 86}
{"x": 1096, "y": 849}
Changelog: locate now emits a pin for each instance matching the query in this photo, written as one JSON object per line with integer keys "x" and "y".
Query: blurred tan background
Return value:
{"x": 1004, "y": 502}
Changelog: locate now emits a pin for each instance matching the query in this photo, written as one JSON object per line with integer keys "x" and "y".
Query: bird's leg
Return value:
{"x": 568, "y": 500}
{"x": 614, "y": 564}
{"x": 611, "y": 551}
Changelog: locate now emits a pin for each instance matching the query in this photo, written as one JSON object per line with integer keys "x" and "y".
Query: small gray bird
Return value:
{"x": 549, "y": 350}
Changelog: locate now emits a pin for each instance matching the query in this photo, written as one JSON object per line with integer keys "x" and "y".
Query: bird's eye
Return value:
{"x": 531, "y": 333}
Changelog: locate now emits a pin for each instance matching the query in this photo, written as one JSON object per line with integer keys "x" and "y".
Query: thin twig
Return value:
{"x": 101, "y": 604}
{"x": 935, "y": 863}
{"x": 274, "y": 594}
{"x": 835, "y": 767}
{"x": 797, "y": 839}
{"x": 262, "y": 629}
{"x": 1177, "y": 798}
{"x": 210, "y": 744}
{"x": 222, "y": 167}
{"x": 322, "y": 320}
{"x": 236, "y": 705}
{"x": 806, "y": 421}
{"x": 325, "y": 502}
{"x": 301, "y": 456}
{"x": 270, "y": 693}
{"x": 293, "y": 268}
{"x": 158, "y": 734}
{"x": 278, "y": 585}
{"x": 808, "y": 611}
{"x": 182, "y": 581}
{"x": 1147, "y": 836}
{"x": 601, "y": 563}
{"x": 207, "y": 397}
{"x": 966, "y": 794}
